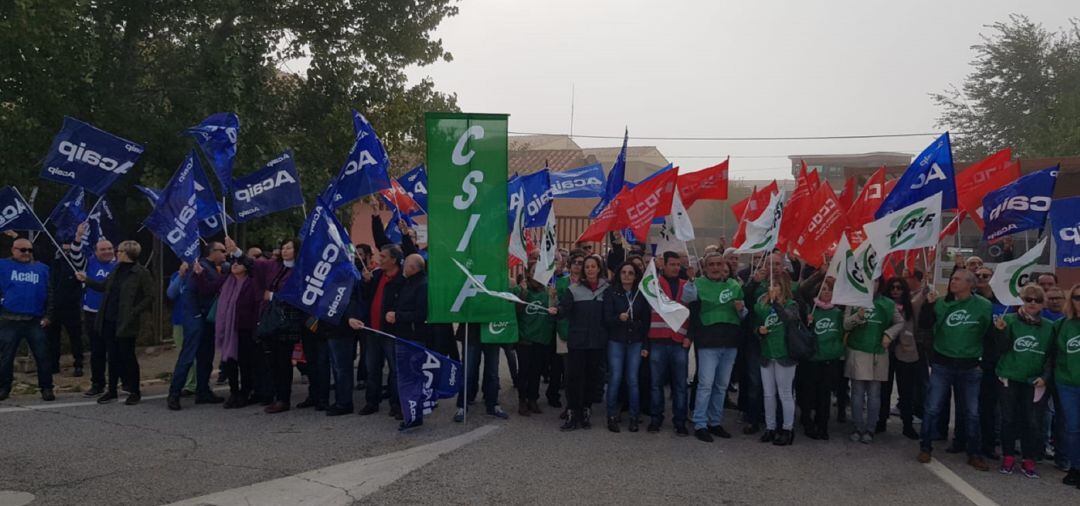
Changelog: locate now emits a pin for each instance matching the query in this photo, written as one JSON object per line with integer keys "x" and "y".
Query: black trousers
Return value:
{"x": 817, "y": 380}
{"x": 122, "y": 359}
{"x": 73, "y": 325}
{"x": 907, "y": 385}
{"x": 990, "y": 410}
{"x": 556, "y": 368}
{"x": 531, "y": 358}
{"x": 1020, "y": 419}
{"x": 241, "y": 370}
{"x": 98, "y": 351}
{"x": 279, "y": 358}
{"x": 583, "y": 374}
{"x": 316, "y": 354}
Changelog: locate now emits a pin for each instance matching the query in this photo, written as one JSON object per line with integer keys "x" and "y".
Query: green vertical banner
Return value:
{"x": 467, "y": 166}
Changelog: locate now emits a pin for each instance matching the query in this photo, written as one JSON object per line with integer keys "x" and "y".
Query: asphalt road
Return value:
{"x": 116, "y": 454}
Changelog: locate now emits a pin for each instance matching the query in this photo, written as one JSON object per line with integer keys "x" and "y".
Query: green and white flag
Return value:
{"x": 466, "y": 165}
{"x": 761, "y": 233}
{"x": 476, "y": 285}
{"x": 673, "y": 313}
{"x": 855, "y": 272}
{"x": 499, "y": 332}
{"x": 517, "y": 246}
{"x": 545, "y": 265}
{"x": 1010, "y": 276}
{"x": 912, "y": 227}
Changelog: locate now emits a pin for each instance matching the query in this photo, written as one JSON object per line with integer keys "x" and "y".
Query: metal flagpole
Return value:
{"x": 46, "y": 232}
{"x": 161, "y": 289}
{"x": 465, "y": 372}
{"x": 224, "y": 219}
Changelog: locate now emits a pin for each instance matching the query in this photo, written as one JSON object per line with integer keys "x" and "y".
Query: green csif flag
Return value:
{"x": 467, "y": 165}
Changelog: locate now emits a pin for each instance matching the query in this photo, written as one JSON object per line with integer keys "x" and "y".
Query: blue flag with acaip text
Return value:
{"x": 325, "y": 273}
{"x": 931, "y": 172}
{"x": 217, "y": 136}
{"x": 533, "y": 193}
{"x": 1065, "y": 220}
{"x": 270, "y": 189}
{"x": 423, "y": 377}
{"x": 365, "y": 169}
{"x": 1020, "y": 205}
{"x": 580, "y": 183}
{"x": 68, "y": 214}
{"x": 174, "y": 219}
{"x": 15, "y": 213}
{"x": 415, "y": 184}
{"x": 83, "y": 155}
{"x": 615, "y": 180}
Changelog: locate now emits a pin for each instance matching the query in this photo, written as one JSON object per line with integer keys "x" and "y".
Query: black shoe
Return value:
{"x": 1072, "y": 478}
{"x": 95, "y": 390}
{"x": 133, "y": 399}
{"x": 910, "y": 433}
{"x": 221, "y": 378}
{"x": 841, "y": 417}
{"x": 368, "y": 409}
{"x": 680, "y": 430}
{"x": 209, "y": 399}
{"x": 719, "y": 432}
{"x": 751, "y": 428}
{"x": 320, "y": 407}
{"x": 654, "y": 427}
{"x": 613, "y": 424}
{"x": 186, "y": 393}
{"x": 570, "y": 424}
{"x": 307, "y": 403}
{"x": 823, "y": 433}
{"x": 233, "y": 402}
{"x": 768, "y": 436}
{"x": 395, "y": 411}
{"x": 337, "y": 411}
{"x": 784, "y": 438}
{"x": 4, "y": 394}
{"x": 586, "y": 419}
{"x": 811, "y": 432}
{"x": 554, "y": 403}
{"x": 78, "y": 372}
{"x": 107, "y": 398}
{"x": 703, "y": 435}
{"x": 47, "y": 395}
{"x": 633, "y": 425}
{"x": 173, "y": 402}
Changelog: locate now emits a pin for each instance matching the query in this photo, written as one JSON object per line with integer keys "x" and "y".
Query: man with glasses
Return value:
{"x": 959, "y": 322}
{"x": 25, "y": 302}
{"x": 1055, "y": 304}
{"x": 198, "y": 347}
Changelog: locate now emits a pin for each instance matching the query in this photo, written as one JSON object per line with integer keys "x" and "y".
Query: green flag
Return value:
{"x": 499, "y": 332}
{"x": 467, "y": 165}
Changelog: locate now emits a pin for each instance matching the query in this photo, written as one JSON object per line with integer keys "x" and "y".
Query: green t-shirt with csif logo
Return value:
{"x": 961, "y": 325}
{"x": 1028, "y": 346}
{"x": 774, "y": 344}
{"x": 1067, "y": 351}
{"x": 867, "y": 337}
{"x": 718, "y": 300}
{"x": 828, "y": 326}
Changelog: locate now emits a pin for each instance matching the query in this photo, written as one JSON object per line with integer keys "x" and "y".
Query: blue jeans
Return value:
{"x": 668, "y": 361}
{"x": 198, "y": 349}
{"x": 1070, "y": 410}
{"x": 713, "y": 374}
{"x": 967, "y": 383}
{"x": 624, "y": 360}
{"x": 491, "y": 374}
{"x": 342, "y": 354}
{"x": 11, "y": 333}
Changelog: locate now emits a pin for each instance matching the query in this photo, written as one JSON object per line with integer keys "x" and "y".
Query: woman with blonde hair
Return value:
{"x": 777, "y": 367}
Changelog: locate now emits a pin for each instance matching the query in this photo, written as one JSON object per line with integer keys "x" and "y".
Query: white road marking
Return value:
{"x": 341, "y": 483}
{"x": 14, "y": 498}
{"x": 957, "y": 483}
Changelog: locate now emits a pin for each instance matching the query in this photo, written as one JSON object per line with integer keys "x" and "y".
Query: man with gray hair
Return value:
{"x": 382, "y": 288}
{"x": 98, "y": 267}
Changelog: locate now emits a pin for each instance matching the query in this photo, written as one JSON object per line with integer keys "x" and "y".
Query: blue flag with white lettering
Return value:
{"x": 1065, "y": 220}
{"x": 174, "y": 219}
{"x": 325, "y": 274}
{"x": 68, "y": 214}
{"x": 15, "y": 213}
{"x": 206, "y": 203}
{"x": 217, "y": 136}
{"x": 1020, "y": 205}
{"x": 207, "y": 226}
{"x": 270, "y": 189}
{"x": 83, "y": 155}
{"x": 151, "y": 194}
{"x": 931, "y": 172}
{"x": 580, "y": 183}
{"x": 423, "y": 377}
{"x": 393, "y": 228}
{"x": 365, "y": 170}
{"x": 615, "y": 181}
{"x": 415, "y": 184}
{"x": 102, "y": 223}
{"x": 533, "y": 192}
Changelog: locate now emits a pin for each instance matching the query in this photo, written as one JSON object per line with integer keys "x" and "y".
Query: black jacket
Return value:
{"x": 135, "y": 301}
{"x": 582, "y": 307}
{"x": 616, "y": 302}
{"x": 389, "y": 300}
{"x": 357, "y": 309}
{"x": 412, "y": 308}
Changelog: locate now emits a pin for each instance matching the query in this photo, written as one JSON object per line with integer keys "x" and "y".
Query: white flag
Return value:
{"x": 479, "y": 285}
{"x": 673, "y": 313}
{"x": 667, "y": 240}
{"x": 545, "y": 266}
{"x": 913, "y": 227}
{"x": 680, "y": 219}
{"x": 1010, "y": 276}
{"x": 517, "y": 236}
{"x": 761, "y": 233}
{"x": 855, "y": 272}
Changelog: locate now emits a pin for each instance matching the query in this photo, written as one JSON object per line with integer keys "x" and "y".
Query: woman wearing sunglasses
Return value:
{"x": 1023, "y": 339}
{"x": 1066, "y": 359}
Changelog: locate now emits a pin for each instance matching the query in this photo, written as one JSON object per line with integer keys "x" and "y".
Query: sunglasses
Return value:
{"x": 219, "y": 250}
{"x": 1033, "y": 300}
{"x": 25, "y": 250}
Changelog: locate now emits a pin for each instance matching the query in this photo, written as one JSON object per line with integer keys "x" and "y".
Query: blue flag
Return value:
{"x": 533, "y": 192}
{"x": 325, "y": 273}
{"x": 207, "y": 226}
{"x": 151, "y": 194}
{"x": 207, "y": 204}
{"x": 68, "y": 214}
{"x": 392, "y": 231}
{"x": 615, "y": 180}
{"x": 1065, "y": 219}
{"x": 580, "y": 183}
{"x": 1020, "y": 205}
{"x": 931, "y": 172}
{"x": 15, "y": 213}
{"x": 415, "y": 184}
{"x": 102, "y": 223}
{"x": 216, "y": 136}
{"x": 272, "y": 188}
{"x": 174, "y": 219}
{"x": 365, "y": 170}
{"x": 423, "y": 377}
{"x": 82, "y": 155}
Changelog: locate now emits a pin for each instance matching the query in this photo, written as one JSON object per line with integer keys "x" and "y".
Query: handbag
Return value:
{"x": 272, "y": 322}
{"x": 211, "y": 316}
{"x": 801, "y": 342}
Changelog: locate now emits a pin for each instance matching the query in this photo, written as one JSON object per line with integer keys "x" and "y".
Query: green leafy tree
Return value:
{"x": 1023, "y": 93}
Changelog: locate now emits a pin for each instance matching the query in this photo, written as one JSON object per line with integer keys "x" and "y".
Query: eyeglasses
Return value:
{"x": 1076, "y": 298}
{"x": 217, "y": 250}
{"x": 1033, "y": 300}
{"x": 25, "y": 250}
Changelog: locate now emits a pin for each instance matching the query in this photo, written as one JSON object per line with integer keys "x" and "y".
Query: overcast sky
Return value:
{"x": 721, "y": 68}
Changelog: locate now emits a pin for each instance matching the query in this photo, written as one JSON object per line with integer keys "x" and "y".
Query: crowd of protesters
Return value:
{"x": 1011, "y": 376}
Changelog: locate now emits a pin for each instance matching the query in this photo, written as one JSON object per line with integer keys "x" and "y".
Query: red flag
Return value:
{"x": 953, "y": 226}
{"x": 706, "y": 184}
{"x": 750, "y": 209}
{"x": 815, "y": 180}
{"x": 987, "y": 175}
{"x": 862, "y": 211}
{"x": 847, "y": 197}
{"x": 609, "y": 219}
{"x": 794, "y": 217}
{"x": 397, "y": 195}
{"x": 822, "y": 226}
{"x": 909, "y": 261}
{"x": 646, "y": 201}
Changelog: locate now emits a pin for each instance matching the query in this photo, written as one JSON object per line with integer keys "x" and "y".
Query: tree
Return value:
{"x": 1022, "y": 93}
{"x": 147, "y": 70}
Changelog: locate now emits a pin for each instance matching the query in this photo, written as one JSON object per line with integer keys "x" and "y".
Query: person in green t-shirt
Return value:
{"x": 820, "y": 376}
{"x": 777, "y": 368}
{"x": 536, "y": 330}
{"x": 1066, "y": 358}
{"x": 871, "y": 331}
{"x": 1024, "y": 340}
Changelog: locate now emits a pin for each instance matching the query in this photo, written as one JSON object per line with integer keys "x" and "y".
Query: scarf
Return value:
{"x": 225, "y": 335}
{"x": 822, "y": 305}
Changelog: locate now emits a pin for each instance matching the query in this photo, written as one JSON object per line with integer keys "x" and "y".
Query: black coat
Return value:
{"x": 391, "y": 292}
{"x": 583, "y": 307}
{"x": 616, "y": 303}
{"x": 412, "y": 308}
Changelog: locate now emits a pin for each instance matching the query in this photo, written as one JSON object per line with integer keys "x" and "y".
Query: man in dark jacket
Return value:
{"x": 411, "y": 314}
{"x": 68, "y": 293}
{"x": 198, "y": 347}
{"x": 382, "y": 289}
{"x": 341, "y": 349}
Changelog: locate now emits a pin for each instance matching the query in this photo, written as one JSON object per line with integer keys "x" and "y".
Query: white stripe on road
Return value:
{"x": 343, "y": 483}
{"x": 60, "y": 405}
{"x": 957, "y": 483}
